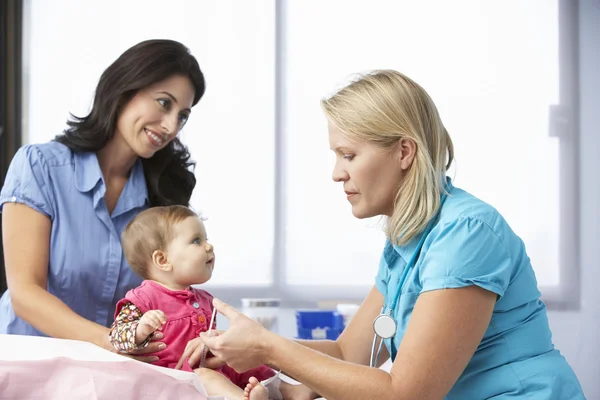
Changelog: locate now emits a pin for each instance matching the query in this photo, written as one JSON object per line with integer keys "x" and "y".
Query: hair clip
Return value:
{"x": 203, "y": 217}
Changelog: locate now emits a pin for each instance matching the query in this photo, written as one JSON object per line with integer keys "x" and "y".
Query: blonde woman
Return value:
{"x": 455, "y": 295}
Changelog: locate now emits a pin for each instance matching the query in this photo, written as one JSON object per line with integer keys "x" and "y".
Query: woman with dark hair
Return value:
{"x": 65, "y": 203}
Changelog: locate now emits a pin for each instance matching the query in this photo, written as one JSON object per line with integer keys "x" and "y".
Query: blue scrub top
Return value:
{"x": 471, "y": 244}
{"x": 86, "y": 266}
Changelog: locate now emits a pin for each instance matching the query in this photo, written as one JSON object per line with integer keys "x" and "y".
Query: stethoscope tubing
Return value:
{"x": 411, "y": 263}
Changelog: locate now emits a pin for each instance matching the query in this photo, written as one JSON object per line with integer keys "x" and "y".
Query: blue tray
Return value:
{"x": 319, "y": 324}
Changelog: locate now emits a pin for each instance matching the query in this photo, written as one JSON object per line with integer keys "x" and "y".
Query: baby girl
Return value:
{"x": 168, "y": 247}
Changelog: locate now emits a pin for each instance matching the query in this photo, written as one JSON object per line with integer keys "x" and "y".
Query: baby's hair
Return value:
{"x": 151, "y": 230}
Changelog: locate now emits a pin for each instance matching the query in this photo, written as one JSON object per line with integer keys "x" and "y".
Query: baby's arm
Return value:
{"x": 132, "y": 329}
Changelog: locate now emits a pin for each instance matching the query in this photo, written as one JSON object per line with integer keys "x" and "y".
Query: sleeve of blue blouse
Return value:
{"x": 466, "y": 252}
{"x": 28, "y": 181}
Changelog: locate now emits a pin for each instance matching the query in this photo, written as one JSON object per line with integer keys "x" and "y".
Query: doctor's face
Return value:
{"x": 371, "y": 175}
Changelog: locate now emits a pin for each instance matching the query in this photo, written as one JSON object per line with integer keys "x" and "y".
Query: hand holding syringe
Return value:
{"x": 195, "y": 349}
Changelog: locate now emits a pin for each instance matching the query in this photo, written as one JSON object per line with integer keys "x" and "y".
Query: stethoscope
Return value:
{"x": 385, "y": 325}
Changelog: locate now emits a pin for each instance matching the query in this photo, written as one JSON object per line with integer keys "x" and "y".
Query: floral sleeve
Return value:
{"x": 122, "y": 331}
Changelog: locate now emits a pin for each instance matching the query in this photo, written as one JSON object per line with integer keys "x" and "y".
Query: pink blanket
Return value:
{"x": 65, "y": 378}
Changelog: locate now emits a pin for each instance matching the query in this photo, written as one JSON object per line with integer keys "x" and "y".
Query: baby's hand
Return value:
{"x": 193, "y": 353}
{"x": 151, "y": 321}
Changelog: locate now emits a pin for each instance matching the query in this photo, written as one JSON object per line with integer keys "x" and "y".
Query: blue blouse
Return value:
{"x": 86, "y": 268}
{"x": 471, "y": 244}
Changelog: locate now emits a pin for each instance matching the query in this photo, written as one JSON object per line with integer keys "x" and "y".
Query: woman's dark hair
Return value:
{"x": 169, "y": 172}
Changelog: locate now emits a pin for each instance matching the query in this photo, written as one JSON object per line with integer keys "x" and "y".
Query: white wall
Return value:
{"x": 577, "y": 334}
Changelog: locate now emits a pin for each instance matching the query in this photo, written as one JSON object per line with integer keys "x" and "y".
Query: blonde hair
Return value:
{"x": 150, "y": 230}
{"x": 382, "y": 107}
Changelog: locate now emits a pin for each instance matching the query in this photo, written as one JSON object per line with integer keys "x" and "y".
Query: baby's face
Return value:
{"x": 190, "y": 253}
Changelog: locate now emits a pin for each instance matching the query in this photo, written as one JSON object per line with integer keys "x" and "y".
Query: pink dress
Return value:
{"x": 188, "y": 314}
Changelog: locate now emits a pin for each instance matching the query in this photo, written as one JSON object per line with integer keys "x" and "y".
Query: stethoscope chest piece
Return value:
{"x": 384, "y": 326}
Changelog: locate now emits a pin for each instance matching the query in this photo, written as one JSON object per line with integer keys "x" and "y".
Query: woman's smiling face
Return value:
{"x": 154, "y": 116}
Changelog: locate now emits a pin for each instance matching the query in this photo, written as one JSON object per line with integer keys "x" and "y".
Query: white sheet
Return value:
{"x": 33, "y": 348}
{"x": 18, "y": 348}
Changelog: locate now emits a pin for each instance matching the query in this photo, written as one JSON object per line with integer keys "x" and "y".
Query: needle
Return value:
{"x": 205, "y": 350}
{"x": 212, "y": 320}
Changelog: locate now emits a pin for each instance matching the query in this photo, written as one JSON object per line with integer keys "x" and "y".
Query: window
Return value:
{"x": 492, "y": 69}
{"x": 230, "y": 132}
{"x": 499, "y": 73}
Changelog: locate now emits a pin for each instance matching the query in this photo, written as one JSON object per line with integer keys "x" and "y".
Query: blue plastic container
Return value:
{"x": 319, "y": 324}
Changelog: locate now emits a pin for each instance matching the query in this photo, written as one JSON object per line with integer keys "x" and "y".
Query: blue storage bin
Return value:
{"x": 319, "y": 324}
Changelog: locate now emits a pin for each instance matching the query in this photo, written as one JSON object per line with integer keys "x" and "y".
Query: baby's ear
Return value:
{"x": 161, "y": 261}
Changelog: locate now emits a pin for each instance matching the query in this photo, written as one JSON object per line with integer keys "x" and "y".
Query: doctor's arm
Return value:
{"x": 26, "y": 241}
{"x": 444, "y": 331}
{"x": 354, "y": 344}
